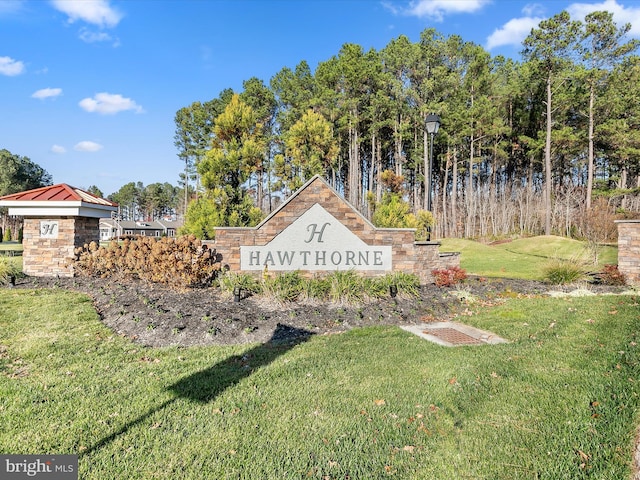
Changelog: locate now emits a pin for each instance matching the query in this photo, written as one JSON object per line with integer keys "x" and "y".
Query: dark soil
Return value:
{"x": 156, "y": 315}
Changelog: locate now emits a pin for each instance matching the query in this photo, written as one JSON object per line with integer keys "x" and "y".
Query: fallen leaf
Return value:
{"x": 409, "y": 448}
{"x": 379, "y": 402}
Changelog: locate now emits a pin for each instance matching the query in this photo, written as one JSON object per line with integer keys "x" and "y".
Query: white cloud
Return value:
{"x": 109, "y": 104}
{"x": 533, "y": 10}
{"x": 87, "y": 146}
{"x": 10, "y": 6}
{"x": 621, "y": 14}
{"x": 96, "y": 12}
{"x": 437, "y": 9}
{"x": 47, "y": 93}
{"x": 11, "y": 67}
{"x": 513, "y": 32}
{"x": 58, "y": 149}
{"x": 89, "y": 36}
{"x": 391, "y": 7}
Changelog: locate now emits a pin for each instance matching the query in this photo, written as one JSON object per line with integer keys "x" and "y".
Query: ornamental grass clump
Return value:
{"x": 229, "y": 281}
{"x": 177, "y": 262}
{"x": 7, "y": 270}
{"x": 283, "y": 288}
{"x": 339, "y": 287}
{"x": 346, "y": 287}
{"x": 559, "y": 271}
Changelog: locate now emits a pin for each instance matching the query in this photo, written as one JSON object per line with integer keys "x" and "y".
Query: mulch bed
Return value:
{"x": 156, "y": 315}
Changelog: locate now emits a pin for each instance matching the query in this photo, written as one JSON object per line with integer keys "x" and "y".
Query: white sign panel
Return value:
{"x": 49, "y": 229}
{"x": 316, "y": 241}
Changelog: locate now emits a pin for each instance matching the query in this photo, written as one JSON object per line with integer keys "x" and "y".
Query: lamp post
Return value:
{"x": 432, "y": 123}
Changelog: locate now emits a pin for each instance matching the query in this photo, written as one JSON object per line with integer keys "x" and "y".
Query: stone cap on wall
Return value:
{"x": 58, "y": 200}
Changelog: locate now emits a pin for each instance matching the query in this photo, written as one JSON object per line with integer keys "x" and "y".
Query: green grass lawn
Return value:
{"x": 12, "y": 245}
{"x": 523, "y": 258}
{"x": 561, "y": 401}
{"x": 7, "y": 248}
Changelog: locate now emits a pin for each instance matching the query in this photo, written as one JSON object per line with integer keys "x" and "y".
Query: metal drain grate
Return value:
{"x": 453, "y": 336}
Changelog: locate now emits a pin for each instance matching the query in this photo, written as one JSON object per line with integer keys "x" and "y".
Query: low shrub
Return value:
{"x": 447, "y": 277}
{"x": 610, "y": 275}
{"x": 178, "y": 262}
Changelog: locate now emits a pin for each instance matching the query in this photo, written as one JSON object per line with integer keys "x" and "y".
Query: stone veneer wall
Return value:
{"x": 629, "y": 250}
{"x": 409, "y": 256}
{"x": 49, "y": 257}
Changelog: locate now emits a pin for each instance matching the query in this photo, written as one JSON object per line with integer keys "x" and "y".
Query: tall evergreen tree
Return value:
{"x": 603, "y": 48}
{"x": 550, "y": 47}
{"x": 263, "y": 102}
{"x": 310, "y": 150}
{"x": 237, "y": 150}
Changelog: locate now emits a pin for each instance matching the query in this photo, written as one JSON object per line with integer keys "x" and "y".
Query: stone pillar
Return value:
{"x": 49, "y": 242}
{"x": 629, "y": 250}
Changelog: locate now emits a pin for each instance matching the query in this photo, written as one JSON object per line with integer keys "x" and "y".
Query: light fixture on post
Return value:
{"x": 432, "y": 124}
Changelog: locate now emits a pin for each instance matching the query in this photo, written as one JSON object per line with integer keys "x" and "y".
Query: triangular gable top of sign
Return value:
{"x": 307, "y": 195}
{"x": 60, "y": 199}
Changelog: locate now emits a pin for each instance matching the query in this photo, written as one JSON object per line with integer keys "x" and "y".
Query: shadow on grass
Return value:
{"x": 207, "y": 384}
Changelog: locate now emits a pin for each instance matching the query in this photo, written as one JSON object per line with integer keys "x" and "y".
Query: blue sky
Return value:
{"x": 89, "y": 88}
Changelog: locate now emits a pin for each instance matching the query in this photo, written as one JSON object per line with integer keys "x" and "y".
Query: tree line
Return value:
{"x": 151, "y": 202}
{"x": 524, "y": 147}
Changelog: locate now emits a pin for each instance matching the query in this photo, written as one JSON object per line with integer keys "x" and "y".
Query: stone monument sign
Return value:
{"x": 316, "y": 230}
